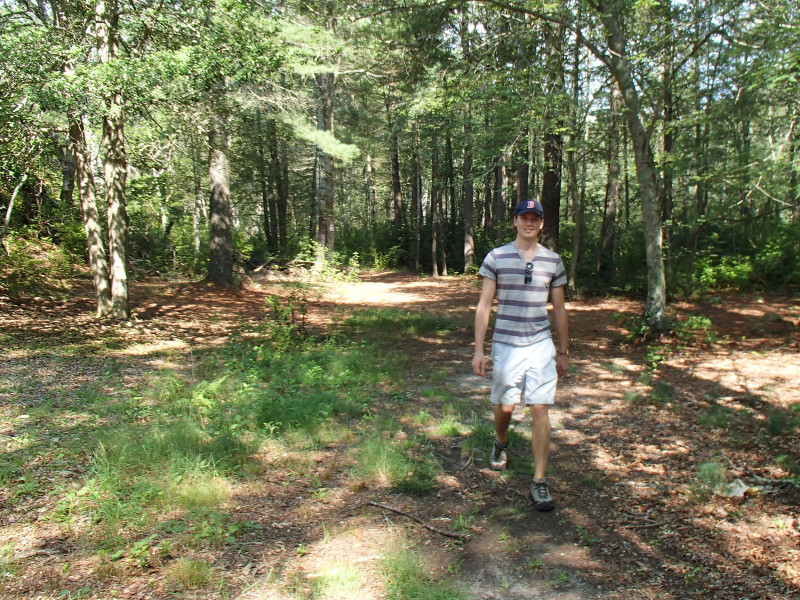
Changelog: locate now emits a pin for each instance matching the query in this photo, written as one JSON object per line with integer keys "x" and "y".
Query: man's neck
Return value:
{"x": 527, "y": 248}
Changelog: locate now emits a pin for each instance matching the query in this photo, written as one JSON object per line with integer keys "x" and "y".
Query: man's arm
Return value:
{"x": 562, "y": 329}
{"x": 482, "y": 324}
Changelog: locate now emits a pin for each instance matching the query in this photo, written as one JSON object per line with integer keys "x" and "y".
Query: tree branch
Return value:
{"x": 449, "y": 534}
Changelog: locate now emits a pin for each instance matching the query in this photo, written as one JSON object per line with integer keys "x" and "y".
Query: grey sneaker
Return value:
{"x": 498, "y": 457}
{"x": 540, "y": 495}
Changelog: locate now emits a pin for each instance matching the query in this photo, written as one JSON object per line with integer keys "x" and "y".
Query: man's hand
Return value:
{"x": 562, "y": 364}
{"x": 479, "y": 364}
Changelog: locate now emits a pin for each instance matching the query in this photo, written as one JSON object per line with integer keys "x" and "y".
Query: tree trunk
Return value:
{"x": 576, "y": 200}
{"x": 553, "y": 140}
{"x": 220, "y": 264}
{"x": 280, "y": 178}
{"x": 84, "y": 179}
{"x": 115, "y": 167}
{"x": 10, "y": 210}
{"x": 369, "y": 192}
{"x": 794, "y": 190}
{"x": 499, "y": 208}
{"x": 451, "y": 184}
{"x": 397, "y": 194}
{"x": 577, "y": 211}
{"x": 266, "y": 183}
{"x": 668, "y": 133}
{"x": 551, "y": 190}
{"x": 435, "y": 200}
{"x": 521, "y": 174}
{"x": 67, "y": 173}
{"x": 488, "y": 220}
{"x": 416, "y": 193}
{"x": 325, "y": 86}
{"x": 656, "y": 304}
{"x": 469, "y": 194}
{"x": 605, "y": 252}
{"x": 283, "y": 189}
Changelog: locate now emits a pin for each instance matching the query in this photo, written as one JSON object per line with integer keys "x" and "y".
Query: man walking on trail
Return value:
{"x": 527, "y": 365}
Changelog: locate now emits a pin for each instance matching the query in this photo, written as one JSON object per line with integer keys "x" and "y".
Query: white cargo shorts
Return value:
{"x": 524, "y": 372}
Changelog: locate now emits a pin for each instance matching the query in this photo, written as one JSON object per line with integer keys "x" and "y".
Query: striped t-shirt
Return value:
{"x": 522, "y": 308}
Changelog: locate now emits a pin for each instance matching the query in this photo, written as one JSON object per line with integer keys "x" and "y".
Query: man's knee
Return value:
{"x": 539, "y": 412}
{"x": 504, "y": 408}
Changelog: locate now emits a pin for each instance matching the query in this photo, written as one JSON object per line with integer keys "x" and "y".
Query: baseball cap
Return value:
{"x": 527, "y": 206}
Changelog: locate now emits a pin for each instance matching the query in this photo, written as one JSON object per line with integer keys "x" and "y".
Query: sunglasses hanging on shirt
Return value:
{"x": 528, "y": 272}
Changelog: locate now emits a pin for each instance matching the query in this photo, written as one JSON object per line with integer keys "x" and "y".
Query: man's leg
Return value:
{"x": 540, "y": 492}
{"x": 540, "y": 421}
{"x": 502, "y": 420}
{"x": 499, "y": 453}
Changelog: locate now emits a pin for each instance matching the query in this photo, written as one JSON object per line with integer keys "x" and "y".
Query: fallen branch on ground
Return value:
{"x": 469, "y": 461}
{"x": 449, "y": 534}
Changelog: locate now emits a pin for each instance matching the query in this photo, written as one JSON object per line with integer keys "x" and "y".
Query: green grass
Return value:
{"x": 406, "y": 576}
{"x": 407, "y": 463}
{"x": 160, "y": 460}
{"x": 189, "y": 573}
{"x": 450, "y": 426}
{"x": 382, "y": 321}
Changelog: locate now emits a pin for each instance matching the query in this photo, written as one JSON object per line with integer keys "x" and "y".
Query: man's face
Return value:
{"x": 528, "y": 225}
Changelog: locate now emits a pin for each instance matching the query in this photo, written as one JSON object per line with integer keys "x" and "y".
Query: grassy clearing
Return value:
{"x": 162, "y": 460}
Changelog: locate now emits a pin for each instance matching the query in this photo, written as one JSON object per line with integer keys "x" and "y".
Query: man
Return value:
{"x": 527, "y": 365}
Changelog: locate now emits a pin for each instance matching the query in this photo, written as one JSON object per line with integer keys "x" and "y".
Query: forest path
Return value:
{"x": 633, "y": 428}
{"x": 515, "y": 551}
{"x": 636, "y": 425}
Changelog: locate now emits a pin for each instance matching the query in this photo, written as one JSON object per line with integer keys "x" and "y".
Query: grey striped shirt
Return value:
{"x": 522, "y": 308}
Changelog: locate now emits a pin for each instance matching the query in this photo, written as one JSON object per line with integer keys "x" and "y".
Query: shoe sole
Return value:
{"x": 544, "y": 506}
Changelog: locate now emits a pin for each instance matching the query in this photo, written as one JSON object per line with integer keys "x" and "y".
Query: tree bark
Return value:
{"x": 266, "y": 182}
{"x": 499, "y": 208}
{"x": 469, "y": 194}
{"x": 325, "y": 86}
{"x": 67, "y": 173}
{"x": 794, "y": 190}
{"x": 397, "y": 195}
{"x": 10, "y": 209}
{"x": 115, "y": 167}
{"x": 668, "y": 133}
{"x": 551, "y": 189}
{"x": 656, "y": 304}
{"x": 605, "y": 252}
{"x": 553, "y": 140}
{"x": 576, "y": 199}
{"x": 435, "y": 200}
{"x": 220, "y": 264}
{"x": 521, "y": 169}
{"x": 84, "y": 180}
{"x": 416, "y": 193}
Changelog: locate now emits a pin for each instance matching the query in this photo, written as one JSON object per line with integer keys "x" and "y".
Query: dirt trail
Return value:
{"x": 525, "y": 554}
{"x": 633, "y": 519}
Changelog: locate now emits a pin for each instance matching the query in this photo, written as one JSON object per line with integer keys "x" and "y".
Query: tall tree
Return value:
{"x": 605, "y": 252}
{"x": 220, "y": 264}
{"x": 553, "y": 137}
{"x": 115, "y": 164}
{"x": 618, "y": 62}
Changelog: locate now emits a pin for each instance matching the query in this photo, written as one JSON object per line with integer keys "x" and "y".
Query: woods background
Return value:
{"x": 207, "y": 137}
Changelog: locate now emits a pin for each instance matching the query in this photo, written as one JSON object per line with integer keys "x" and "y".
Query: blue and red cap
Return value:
{"x": 528, "y": 206}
